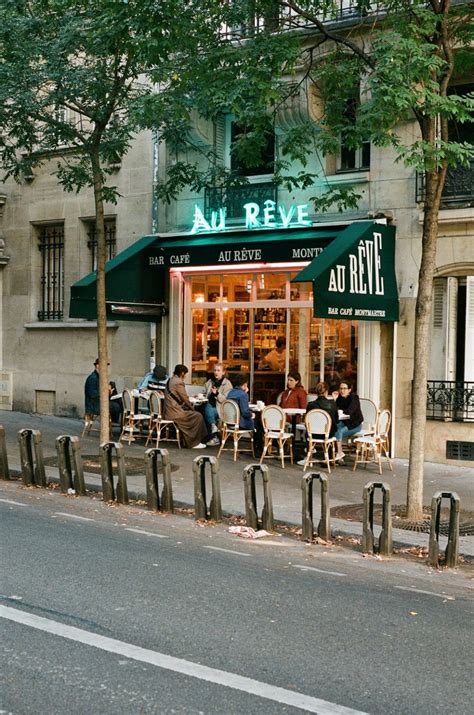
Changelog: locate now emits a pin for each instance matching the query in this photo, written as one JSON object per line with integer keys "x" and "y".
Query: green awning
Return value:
{"x": 128, "y": 296}
{"x": 136, "y": 279}
{"x": 354, "y": 277}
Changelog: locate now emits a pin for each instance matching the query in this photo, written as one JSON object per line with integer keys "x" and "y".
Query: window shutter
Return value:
{"x": 219, "y": 139}
{"x": 469, "y": 344}
{"x": 438, "y": 335}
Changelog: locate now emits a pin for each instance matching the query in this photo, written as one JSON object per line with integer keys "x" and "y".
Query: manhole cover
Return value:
{"x": 91, "y": 463}
{"x": 355, "y": 512}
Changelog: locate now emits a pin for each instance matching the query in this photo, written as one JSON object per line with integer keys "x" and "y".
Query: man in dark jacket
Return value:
{"x": 92, "y": 400}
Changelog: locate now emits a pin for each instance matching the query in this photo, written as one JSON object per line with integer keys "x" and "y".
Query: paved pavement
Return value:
{"x": 345, "y": 485}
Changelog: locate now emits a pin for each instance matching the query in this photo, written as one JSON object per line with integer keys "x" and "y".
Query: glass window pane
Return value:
{"x": 340, "y": 351}
{"x": 301, "y": 291}
{"x": 238, "y": 288}
{"x": 205, "y": 289}
{"x": 271, "y": 286}
{"x": 305, "y": 341}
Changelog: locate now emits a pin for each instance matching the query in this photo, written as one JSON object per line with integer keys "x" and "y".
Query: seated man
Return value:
{"x": 239, "y": 394}
{"x": 154, "y": 380}
{"x": 92, "y": 400}
{"x": 216, "y": 390}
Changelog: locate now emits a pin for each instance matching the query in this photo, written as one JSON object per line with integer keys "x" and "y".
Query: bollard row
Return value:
{"x": 201, "y": 510}
{"x": 157, "y": 464}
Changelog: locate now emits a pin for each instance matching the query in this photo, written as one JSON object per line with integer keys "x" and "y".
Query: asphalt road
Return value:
{"x": 107, "y": 609}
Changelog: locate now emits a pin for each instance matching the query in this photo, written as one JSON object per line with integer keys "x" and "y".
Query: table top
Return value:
{"x": 294, "y": 410}
{"x": 198, "y": 400}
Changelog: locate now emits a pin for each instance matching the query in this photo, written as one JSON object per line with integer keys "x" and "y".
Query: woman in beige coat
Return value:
{"x": 178, "y": 408}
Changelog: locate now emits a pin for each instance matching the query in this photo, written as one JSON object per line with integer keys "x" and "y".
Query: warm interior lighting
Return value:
{"x": 199, "y": 298}
{"x": 238, "y": 267}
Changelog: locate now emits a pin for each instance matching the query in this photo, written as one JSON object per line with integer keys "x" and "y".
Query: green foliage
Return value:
{"x": 374, "y": 78}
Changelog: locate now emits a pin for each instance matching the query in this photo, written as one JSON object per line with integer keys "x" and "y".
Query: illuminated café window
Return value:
{"x": 238, "y": 288}
{"x": 205, "y": 289}
{"x": 271, "y": 286}
{"x": 301, "y": 291}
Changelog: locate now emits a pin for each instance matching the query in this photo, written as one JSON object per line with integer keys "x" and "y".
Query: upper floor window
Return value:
{"x": 258, "y": 158}
{"x": 110, "y": 240}
{"x": 352, "y": 158}
{"x": 51, "y": 247}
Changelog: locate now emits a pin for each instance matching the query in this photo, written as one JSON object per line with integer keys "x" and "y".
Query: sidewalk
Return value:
{"x": 345, "y": 486}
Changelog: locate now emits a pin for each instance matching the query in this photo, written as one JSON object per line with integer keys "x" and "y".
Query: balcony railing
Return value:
{"x": 450, "y": 401}
{"x": 458, "y": 189}
{"x": 233, "y": 199}
{"x": 287, "y": 18}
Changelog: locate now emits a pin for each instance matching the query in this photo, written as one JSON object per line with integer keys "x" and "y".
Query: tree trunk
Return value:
{"x": 434, "y": 186}
{"x": 101, "y": 307}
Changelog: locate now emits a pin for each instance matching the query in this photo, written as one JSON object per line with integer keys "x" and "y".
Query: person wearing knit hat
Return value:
{"x": 154, "y": 380}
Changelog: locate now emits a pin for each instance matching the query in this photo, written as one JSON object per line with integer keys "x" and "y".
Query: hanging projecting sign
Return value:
{"x": 354, "y": 277}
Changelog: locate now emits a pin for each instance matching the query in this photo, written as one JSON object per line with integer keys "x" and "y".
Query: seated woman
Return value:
{"x": 216, "y": 390}
{"x": 177, "y": 407}
{"x": 351, "y": 423}
{"x": 295, "y": 395}
{"x": 326, "y": 403}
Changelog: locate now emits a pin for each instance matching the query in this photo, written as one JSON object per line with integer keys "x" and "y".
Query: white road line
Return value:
{"x": 73, "y": 516}
{"x": 313, "y": 568}
{"x": 148, "y": 533}
{"x": 226, "y": 551}
{"x": 11, "y": 501}
{"x": 427, "y": 593}
{"x": 178, "y": 665}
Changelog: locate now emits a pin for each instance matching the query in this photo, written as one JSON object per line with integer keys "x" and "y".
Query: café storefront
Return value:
{"x": 229, "y": 295}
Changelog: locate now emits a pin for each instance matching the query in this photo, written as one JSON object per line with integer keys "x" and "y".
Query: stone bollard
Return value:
{"x": 4, "y": 469}
{"x": 452, "y": 549}
{"x": 152, "y": 457}
{"x": 106, "y": 469}
{"x": 31, "y": 457}
{"x": 200, "y": 505}
{"x": 69, "y": 456}
{"x": 385, "y": 545}
{"x": 324, "y": 526}
{"x": 251, "y": 497}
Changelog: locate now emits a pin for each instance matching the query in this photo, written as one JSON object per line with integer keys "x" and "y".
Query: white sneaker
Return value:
{"x": 214, "y": 442}
{"x": 339, "y": 456}
{"x": 199, "y": 446}
{"x": 214, "y": 428}
{"x": 301, "y": 462}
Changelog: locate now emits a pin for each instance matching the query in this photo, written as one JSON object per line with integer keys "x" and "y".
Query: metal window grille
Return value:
{"x": 450, "y": 401}
{"x": 110, "y": 241}
{"x": 51, "y": 247}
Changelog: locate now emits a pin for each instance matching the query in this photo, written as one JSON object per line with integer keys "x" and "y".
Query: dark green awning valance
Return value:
{"x": 354, "y": 277}
{"x": 128, "y": 295}
{"x": 352, "y": 269}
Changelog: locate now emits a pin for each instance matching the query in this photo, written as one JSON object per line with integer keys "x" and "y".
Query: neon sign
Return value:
{"x": 272, "y": 215}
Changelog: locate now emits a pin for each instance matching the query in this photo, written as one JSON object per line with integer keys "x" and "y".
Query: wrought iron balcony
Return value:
{"x": 450, "y": 401}
{"x": 233, "y": 199}
{"x": 458, "y": 190}
{"x": 288, "y": 18}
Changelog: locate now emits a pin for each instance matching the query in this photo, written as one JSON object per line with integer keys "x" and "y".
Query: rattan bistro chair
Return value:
{"x": 373, "y": 448}
{"x": 230, "y": 428}
{"x": 318, "y": 427}
{"x": 159, "y": 428}
{"x": 274, "y": 423}
{"x": 131, "y": 419}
